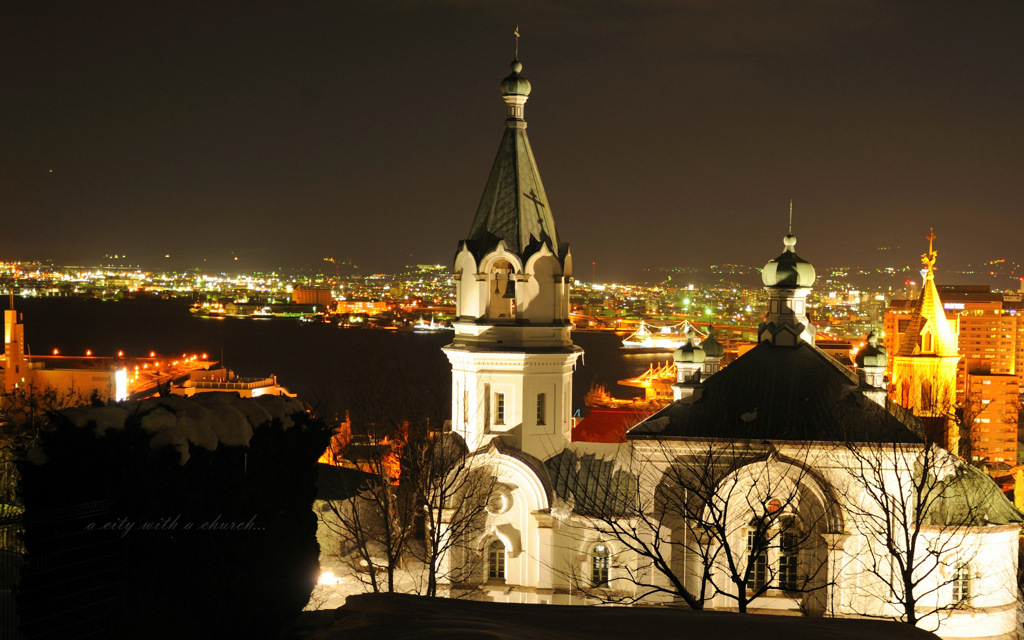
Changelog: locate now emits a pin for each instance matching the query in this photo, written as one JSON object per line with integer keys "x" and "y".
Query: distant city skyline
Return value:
{"x": 667, "y": 133}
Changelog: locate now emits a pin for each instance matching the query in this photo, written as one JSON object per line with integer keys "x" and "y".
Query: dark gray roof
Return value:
{"x": 514, "y": 206}
{"x": 592, "y": 485}
{"x": 969, "y": 497}
{"x": 781, "y": 393}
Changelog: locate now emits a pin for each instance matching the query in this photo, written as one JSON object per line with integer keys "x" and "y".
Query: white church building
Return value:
{"x": 782, "y": 482}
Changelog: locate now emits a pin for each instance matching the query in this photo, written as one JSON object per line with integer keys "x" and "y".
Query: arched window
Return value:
{"x": 502, "y": 294}
{"x": 599, "y": 564}
{"x": 496, "y": 561}
{"x": 773, "y": 552}
{"x": 927, "y": 397}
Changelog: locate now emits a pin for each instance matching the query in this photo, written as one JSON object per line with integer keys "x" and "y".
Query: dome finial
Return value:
{"x": 515, "y": 90}
{"x": 788, "y": 270}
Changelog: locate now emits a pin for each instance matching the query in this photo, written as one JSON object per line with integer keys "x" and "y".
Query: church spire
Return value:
{"x": 514, "y": 208}
{"x": 512, "y": 353}
{"x": 929, "y": 332}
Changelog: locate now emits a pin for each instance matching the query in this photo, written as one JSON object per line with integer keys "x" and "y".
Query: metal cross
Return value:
{"x": 533, "y": 197}
{"x": 928, "y": 259}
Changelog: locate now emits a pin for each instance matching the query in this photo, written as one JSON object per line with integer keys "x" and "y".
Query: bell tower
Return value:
{"x": 512, "y": 356}
{"x": 924, "y": 369}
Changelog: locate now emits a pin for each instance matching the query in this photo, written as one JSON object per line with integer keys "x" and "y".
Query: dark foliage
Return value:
{"x": 123, "y": 541}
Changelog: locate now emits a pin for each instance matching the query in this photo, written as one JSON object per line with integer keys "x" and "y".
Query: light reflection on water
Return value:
{"x": 320, "y": 362}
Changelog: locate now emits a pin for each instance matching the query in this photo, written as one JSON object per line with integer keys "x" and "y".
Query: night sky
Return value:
{"x": 254, "y": 135}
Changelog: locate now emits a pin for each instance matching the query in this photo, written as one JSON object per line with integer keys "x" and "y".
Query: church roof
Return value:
{"x": 514, "y": 207}
{"x": 929, "y": 312}
{"x": 929, "y": 315}
{"x": 779, "y": 393}
{"x": 593, "y": 485}
{"x": 968, "y": 497}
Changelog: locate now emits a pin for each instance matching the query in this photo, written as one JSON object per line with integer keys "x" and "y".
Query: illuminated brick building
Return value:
{"x": 924, "y": 369}
{"x": 990, "y": 341}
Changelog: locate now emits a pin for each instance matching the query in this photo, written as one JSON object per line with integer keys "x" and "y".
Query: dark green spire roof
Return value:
{"x": 514, "y": 206}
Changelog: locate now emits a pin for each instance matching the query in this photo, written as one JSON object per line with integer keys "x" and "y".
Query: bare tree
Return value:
{"x": 920, "y": 514}
{"x": 712, "y": 519}
{"x": 456, "y": 492}
{"x": 426, "y": 498}
{"x": 374, "y": 524}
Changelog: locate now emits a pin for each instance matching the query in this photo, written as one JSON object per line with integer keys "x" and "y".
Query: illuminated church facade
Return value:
{"x": 797, "y": 440}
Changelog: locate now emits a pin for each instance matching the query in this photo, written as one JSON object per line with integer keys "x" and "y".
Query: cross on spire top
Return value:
{"x": 928, "y": 259}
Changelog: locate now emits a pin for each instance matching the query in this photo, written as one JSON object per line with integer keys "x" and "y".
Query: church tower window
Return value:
{"x": 499, "y": 408}
{"x": 541, "y": 408}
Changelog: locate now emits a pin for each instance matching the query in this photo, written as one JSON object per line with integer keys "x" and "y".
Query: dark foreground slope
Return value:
{"x": 397, "y": 617}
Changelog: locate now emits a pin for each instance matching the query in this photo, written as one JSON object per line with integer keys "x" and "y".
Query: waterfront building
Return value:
{"x": 68, "y": 377}
{"x": 785, "y": 463}
{"x": 318, "y": 298}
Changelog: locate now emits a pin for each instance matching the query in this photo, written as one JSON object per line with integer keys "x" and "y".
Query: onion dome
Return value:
{"x": 788, "y": 271}
{"x": 711, "y": 346}
{"x": 515, "y": 84}
{"x": 872, "y": 355}
{"x": 689, "y": 352}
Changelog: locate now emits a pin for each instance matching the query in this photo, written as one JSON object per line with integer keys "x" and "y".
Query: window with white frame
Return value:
{"x": 962, "y": 584}
{"x": 773, "y": 553}
{"x": 789, "y": 543}
{"x": 757, "y": 558}
{"x": 600, "y": 557}
{"x": 499, "y": 408}
{"x": 496, "y": 561}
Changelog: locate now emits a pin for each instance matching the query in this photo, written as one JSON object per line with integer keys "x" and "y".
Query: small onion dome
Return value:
{"x": 689, "y": 352}
{"x": 711, "y": 346}
{"x": 872, "y": 355}
{"x": 788, "y": 271}
{"x": 515, "y": 84}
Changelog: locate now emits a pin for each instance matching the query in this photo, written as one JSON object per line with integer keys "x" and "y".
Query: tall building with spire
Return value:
{"x": 925, "y": 365}
{"x": 512, "y": 356}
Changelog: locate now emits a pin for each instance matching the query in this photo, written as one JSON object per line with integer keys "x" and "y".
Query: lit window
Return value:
{"x": 962, "y": 584}
{"x": 788, "y": 554}
{"x": 757, "y": 559}
{"x": 496, "y": 560}
{"x": 599, "y": 559}
{"x": 499, "y": 408}
{"x": 540, "y": 408}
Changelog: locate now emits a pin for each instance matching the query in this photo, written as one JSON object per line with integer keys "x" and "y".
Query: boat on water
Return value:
{"x": 668, "y": 338}
{"x": 423, "y": 326}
